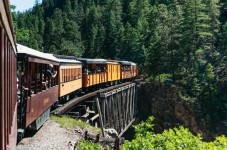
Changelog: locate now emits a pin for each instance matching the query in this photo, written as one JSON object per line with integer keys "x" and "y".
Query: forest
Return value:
{"x": 178, "y": 42}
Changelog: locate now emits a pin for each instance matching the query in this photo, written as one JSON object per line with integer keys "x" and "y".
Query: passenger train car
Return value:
{"x": 70, "y": 77}
{"x": 37, "y": 91}
{"x": 8, "y": 95}
{"x": 94, "y": 73}
{"x": 128, "y": 70}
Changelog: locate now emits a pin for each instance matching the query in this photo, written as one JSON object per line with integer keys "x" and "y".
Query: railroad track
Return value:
{"x": 67, "y": 107}
{"x": 87, "y": 108}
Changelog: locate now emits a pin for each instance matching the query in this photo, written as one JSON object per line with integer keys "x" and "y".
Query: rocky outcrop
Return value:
{"x": 163, "y": 102}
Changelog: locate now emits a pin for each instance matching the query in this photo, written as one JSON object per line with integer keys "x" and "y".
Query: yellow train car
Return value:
{"x": 125, "y": 70}
{"x": 70, "y": 77}
{"x": 113, "y": 72}
{"x": 94, "y": 72}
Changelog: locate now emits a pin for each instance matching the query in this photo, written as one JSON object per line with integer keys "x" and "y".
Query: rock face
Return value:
{"x": 162, "y": 102}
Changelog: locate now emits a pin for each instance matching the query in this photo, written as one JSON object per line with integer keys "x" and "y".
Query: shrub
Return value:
{"x": 172, "y": 139}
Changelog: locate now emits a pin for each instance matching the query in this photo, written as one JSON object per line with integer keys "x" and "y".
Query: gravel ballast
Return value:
{"x": 50, "y": 137}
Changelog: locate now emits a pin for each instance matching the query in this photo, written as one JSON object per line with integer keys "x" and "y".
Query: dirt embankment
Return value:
{"x": 164, "y": 104}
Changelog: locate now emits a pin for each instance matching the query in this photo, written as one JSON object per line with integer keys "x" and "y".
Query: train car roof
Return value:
{"x": 92, "y": 61}
{"x": 29, "y": 51}
{"x": 125, "y": 62}
{"x": 112, "y": 62}
{"x": 67, "y": 59}
{"x": 133, "y": 64}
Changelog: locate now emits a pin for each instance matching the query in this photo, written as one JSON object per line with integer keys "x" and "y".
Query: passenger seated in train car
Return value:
{"x": 104, "y": 69}
{"x": 86, "y": 70}
{"x": 98, "y": 69}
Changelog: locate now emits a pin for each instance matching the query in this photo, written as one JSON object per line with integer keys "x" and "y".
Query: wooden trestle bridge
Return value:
{"x": 114, "y": 107}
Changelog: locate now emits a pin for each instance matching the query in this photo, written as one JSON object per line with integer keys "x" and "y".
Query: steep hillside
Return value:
{"x": 171, "y": 110}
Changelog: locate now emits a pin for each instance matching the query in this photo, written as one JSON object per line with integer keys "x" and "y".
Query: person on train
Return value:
{"x": 86, "y": 70}
{"x": 50, "y": 72}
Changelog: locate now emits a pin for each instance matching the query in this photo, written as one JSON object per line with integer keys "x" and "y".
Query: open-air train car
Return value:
{"x": 128, "y": 70}
{"x": 94, "y": 72}
{"x": 37, "y": 91}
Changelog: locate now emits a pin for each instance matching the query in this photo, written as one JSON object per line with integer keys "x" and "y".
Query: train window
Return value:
{"x": 75, "y": 74}
{"x": 61, "y": 76}
{"x": 64, "y": 75}
{"x": 79, "y": 72}
{"x": 72, "y": 72}
{"x": 63, "y": 72}
{"x": 68, "y": 74}
{"x": 35, "y": 77}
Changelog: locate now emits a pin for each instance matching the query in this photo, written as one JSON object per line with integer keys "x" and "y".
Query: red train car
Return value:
{"x": 8, "y": 95}
{"x": 38, "y": 87}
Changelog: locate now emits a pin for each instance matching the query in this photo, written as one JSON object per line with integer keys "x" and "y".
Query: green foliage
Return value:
{"x": 144, "y": 127}
{"x": 86, "y": 145}
{"x": 68, "y": 122}
{"x": 179, "y": 41}
{"x": 171, "y": 139}
{"x": 22, "y": 35}
{"x": 159, "y": 78}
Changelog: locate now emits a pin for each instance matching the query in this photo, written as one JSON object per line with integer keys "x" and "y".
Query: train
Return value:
{"x": 33, "y": 82}
{"x": 69, "y": 76}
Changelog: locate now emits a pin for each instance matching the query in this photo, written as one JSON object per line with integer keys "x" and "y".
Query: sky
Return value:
{"x": 22, "y": 5}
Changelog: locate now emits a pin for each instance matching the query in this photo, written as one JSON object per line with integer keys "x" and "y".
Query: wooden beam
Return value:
{"x": 119, "y": 111}
{"x": 100, "y": 116}
{"x": 126, "y": 128}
